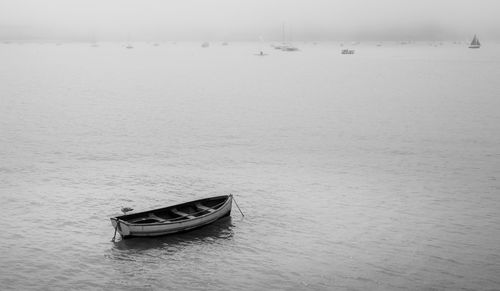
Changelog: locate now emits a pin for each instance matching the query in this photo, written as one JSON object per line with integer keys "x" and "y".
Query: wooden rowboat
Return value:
{"x": 173, "y": 219}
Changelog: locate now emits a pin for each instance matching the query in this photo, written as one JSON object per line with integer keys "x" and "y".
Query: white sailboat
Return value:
{"x": 287, "y": 47}
{"x": 475, "y": 43}
{"x": 261, "y": 52}
{"x": 129, "y": 44}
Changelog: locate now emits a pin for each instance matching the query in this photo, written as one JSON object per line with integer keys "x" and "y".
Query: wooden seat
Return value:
{"x": 203, "y": 207}
{"x": 149, "y": 217}
{"x": 180, "y": 213}
{"x": 153, "y": 216}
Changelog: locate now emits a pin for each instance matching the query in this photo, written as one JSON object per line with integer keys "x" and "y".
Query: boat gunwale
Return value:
{"x": 228, "y": 199}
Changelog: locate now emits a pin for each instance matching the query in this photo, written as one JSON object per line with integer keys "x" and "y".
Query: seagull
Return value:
{"x": 126, "y": 209}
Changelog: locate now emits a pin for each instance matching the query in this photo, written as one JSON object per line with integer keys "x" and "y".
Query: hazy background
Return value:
{"x": 83, "y": 20}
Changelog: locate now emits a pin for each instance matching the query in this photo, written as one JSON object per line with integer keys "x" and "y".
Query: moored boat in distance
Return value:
{"x": 173, "y": 219}
{"x": 347, "y": 52}
{"x": 289, "y": 48}
{"x": 475, "y": 43}
{"x": 277, "y": 46}
{"x": 286, "y": 46}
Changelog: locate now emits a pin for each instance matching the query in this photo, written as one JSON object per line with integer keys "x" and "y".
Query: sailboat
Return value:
{"x": 129, "y": 45}
{"x": 475, "y": 43}
{"x": 286, "y": 47}
{"x": 261, "y": 53}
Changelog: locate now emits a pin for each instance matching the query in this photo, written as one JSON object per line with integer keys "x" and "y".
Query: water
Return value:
{"x": 376, "y": 171}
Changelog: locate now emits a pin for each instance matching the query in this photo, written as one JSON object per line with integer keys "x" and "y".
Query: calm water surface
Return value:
{"x": 373, "y": 171}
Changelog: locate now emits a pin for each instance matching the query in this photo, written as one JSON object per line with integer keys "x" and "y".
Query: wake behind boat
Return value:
{"x": 173, "y": 219}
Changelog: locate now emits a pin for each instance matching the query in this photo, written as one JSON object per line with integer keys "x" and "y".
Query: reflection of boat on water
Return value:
{"x": 173, "y": 219}
{"x": 475, "y": 43}
{"x": 347, "y": 52}
{"x": 222, "y": 229}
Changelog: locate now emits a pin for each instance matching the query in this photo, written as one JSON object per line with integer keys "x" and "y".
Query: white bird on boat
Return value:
{"x": 126, "y": 209}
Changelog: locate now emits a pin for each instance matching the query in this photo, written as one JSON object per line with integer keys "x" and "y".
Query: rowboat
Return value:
{"x": 173, "y": 219}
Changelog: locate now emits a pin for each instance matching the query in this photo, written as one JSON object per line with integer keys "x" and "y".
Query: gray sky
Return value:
{"x": 249, "y": 19}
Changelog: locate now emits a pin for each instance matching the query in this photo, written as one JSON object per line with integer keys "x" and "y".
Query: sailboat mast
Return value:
{"x": 283, "y": 32}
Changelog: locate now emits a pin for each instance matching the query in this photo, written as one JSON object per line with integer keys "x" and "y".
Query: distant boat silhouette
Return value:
{"x": 205, "y": 44}
{"x": 261, "y": 52}
{"x": 129, "y": 45}
{"x": 286, "y": 47}
{"x": 289, "y": 48}
{"x": 475, "y": 43}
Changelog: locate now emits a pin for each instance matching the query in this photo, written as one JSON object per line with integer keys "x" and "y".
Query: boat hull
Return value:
{"x": 127, "y": 229}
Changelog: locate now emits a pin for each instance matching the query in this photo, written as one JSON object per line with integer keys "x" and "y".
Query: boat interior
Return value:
{"x": 178, "y": 212}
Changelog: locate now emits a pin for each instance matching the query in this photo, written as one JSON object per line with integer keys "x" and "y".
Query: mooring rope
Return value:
{"x": 116, "y": 227}
{"x": 237, "y": 206}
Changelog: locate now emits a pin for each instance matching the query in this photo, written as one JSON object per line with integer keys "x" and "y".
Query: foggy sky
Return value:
{"x": 248, "y": 19}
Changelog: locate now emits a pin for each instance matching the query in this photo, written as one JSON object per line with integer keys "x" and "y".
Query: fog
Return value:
{"x": 100, "y": 20}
